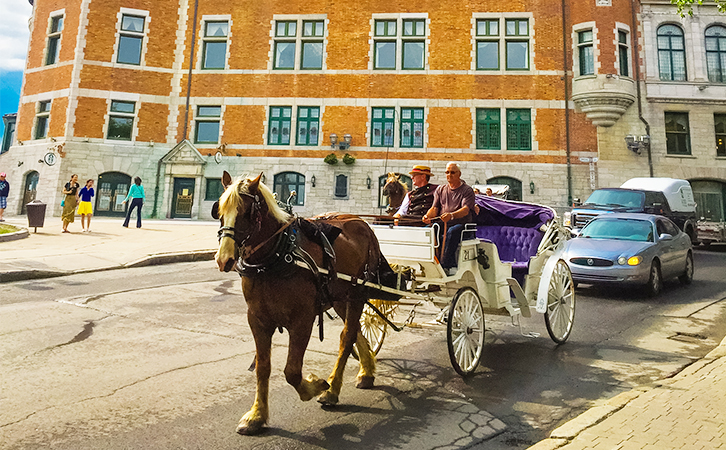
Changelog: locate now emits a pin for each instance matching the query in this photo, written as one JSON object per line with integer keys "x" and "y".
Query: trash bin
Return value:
{"x": 36, "y": 214}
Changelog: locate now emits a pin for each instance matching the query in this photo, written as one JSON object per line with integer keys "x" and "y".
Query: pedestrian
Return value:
{"x": 4, "y": 192}
{"x": 85, "y": 207}
{"x": 70, "y": 190}
{"x": 137, "y": 196}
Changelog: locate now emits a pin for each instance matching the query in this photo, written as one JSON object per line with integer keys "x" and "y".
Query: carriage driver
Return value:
{"x": 417, "y": 202}
{"x": 453, "y": 205}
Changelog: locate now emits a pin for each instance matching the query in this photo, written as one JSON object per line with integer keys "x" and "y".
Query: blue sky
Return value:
{"x": 14, "y": 15}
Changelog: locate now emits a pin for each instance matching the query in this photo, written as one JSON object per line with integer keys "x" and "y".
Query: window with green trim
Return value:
{"x": 309, "y": 34}
{"x": 412, "y": 124}
{"x": 308, "y": 125}
{"x": 517, "y": 44}
{"x": 279, "y": 126}
{"x": 410, "y": 34}
{"x": 384, "y": 47}
{"x": 382, "y": 123}
{"x": 585, "y": 52}
{"x": 519, "y": 129}
{"x": 214, "y": 45}
{"x": 487, "y": 44}
{"x": 285, "y": 34}
{"x": 488, "y": 129}
{"x": 414, "y": 46}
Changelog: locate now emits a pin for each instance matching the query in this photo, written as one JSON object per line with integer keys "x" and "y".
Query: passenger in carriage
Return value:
{"x": 454, "y": 206}
{"x": 418, "y": 201}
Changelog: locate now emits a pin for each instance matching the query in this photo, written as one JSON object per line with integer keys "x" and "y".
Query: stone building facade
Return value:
{"x": 525, "y": 93}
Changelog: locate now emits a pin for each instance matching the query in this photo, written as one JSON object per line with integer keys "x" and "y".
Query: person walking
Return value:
{"x": 85, "y": 207}
{"x": 4, "y": 192}
{"x": 137, "y": 196}
{"x": 70, "y": 190}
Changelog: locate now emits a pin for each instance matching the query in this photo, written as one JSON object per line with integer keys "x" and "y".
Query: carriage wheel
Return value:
{"x": 373, "y": 327}
{"x": 465, "y": 331}
{"x": 560, "y": 312}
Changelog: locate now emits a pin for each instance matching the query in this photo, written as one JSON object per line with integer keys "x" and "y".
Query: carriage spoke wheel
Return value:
{"x": 465, "y": 331}
{"x": 560, "y": 312}
{"x": 373, "y": 327}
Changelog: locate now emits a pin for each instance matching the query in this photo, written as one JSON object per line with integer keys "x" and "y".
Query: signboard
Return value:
{"x": 49, "y": 158}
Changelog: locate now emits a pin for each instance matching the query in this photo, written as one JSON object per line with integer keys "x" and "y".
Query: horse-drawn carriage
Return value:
{"x": 294, "y": 269}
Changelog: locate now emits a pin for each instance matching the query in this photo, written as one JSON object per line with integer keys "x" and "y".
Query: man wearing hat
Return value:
{"x": 4, "y": 192}
{"x": 417, "y": 202}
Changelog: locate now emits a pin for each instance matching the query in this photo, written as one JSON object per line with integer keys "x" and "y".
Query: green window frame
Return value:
{"x": 413, "y": 47}
{"x": 384, "y": 50}
{"x": 624, "y": 53}
{"x": 311, "y": 57}
{"x": 382, "y": 127}
{"x": 487, "y": 44}
{"x": 42, "y": 119}
{"x": 678, "y": 133}
{"x": 585, "y": 52}
{"x": 214, "y": 189}
{"x": 719, "y": 121}
{"x": 716, "y": 53}
{"x": 519, "y": 129}
{"x": 308, "y": 125}
{"x": 517, "y": 44}
{"x": 214, "y": 45}
{"x": 54, "y": 35}
{"x": 279, "y": 125}
{"x": 671, "y": 53}
{"x": 488, "y": 129}
{"x": 412, "y": 128}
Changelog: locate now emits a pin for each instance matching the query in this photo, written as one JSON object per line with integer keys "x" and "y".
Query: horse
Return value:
{"x": 395, "y": 190}
{"x": 252, "y": 225}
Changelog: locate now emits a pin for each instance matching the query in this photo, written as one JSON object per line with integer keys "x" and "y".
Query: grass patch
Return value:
{"x": 5, "y": 228}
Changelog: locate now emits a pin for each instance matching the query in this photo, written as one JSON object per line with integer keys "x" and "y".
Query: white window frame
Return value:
{"x": 400, "y": 39}
{"x": 144, "y": 36}
{"x": 621, "y": 27}
{"x": 122, "y": 97}
{"x": 502, "y": 39}
{"x": 198, "y": 118}
{"x": 576, "y": 29}
{"x": 300, "y": 19}
{"x": 54, "y": 35}
{"x": 202, "y": 39}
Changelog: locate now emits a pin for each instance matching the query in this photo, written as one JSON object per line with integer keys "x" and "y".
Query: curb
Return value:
{"x": 149, "y": 260}
{"x": 22, "y": 234}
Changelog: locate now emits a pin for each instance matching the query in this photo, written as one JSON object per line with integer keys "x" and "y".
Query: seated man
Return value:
{"x": 454, "y": 206}
{"x": 418, "y": 201}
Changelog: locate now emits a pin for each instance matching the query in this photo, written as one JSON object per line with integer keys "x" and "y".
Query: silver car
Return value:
{"x": 622, "y": 248}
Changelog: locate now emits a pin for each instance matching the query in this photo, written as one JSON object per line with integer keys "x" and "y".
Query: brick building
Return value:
{"x": 276, "y": 87}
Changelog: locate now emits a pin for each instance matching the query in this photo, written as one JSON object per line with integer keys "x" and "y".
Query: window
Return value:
{"x": 130, "y": 40}
{"x": 624, "y": 53}
{"x": 488, "y": 129}
{"x": 280, "y": 122}
{"x": 677, "y": 133}
{"x": 214, "y": 45}
{"x": 402, "y": 177}
{"x": 288, "y": 34}
{"x": 308, "y": 125}
{"x": 519, "y": 129}
{"x": 382, "y": 124}
{"x": 341, "y": 186}
{"x": 412, "y": 123}
{"x": 720, "y": 129}
{"x": 671, "y": 53}
{"x": 585, "y": 52}
{"x": 285, "y": 183}
{"x": 487, "y": 44}
{"x": 410, "y": 35}
{"x": 517, "y": 43}
{"x": 54, "y": 35}
{"x": 206, "y": 128}
{"x": 716, "y": 53}
{"x": 214, "y": 189}
{"x": 121, "y": 120}
{"x": 515, "y": 187}
{"x": 42, "y": 118}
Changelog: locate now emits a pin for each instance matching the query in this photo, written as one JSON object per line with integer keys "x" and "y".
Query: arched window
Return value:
{"x": 716, "y": 53}
{"x": 515, "y": 186}
{"x": 286, "y": 182}
{"x": 341, "y": 186}
{"x": 382, "y": 199}
{"x": 31, "y": 189}
{"x": 671, "y": 53}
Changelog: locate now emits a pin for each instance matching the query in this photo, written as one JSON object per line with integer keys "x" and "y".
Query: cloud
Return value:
{"x": 14, "y": 34}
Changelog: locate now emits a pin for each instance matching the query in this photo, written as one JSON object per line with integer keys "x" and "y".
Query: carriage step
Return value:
{"x": 521, "y": 298}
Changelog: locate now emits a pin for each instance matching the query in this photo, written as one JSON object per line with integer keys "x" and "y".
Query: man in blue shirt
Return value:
{"x": 4, "y": 191}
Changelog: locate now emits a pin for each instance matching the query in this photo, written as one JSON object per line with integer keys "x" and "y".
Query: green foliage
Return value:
{"x": 685, "y": 7}
{"x": 331, "y": 159}
{"x": 348, "y": 159}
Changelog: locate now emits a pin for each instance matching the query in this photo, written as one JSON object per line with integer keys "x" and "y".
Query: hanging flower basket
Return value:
{"x": 348, "y": 159}
{"x": 331, "y": 159}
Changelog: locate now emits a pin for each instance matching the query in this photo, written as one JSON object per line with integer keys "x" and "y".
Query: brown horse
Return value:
{"x": 251, "y": 225}
{"x": 395, "y": 190}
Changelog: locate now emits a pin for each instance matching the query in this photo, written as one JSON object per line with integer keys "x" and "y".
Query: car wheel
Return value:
{"x": 687, "y": 276}
{"x": 655, "y": 282}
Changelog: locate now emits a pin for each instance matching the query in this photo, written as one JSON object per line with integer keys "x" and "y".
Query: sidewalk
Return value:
{"x": 687, "y": 411}
{"x": 50, "y": 253}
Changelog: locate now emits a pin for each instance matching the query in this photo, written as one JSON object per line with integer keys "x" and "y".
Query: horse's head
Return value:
{"x": 394, "y": 189}
{"x": 242, "y": 209}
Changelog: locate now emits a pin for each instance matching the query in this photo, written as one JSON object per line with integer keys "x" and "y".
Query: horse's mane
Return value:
{"x": 231, "y": 199}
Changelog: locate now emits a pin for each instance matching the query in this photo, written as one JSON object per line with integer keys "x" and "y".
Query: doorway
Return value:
{"x": 183, "y": 198}
{"x": 112, "y": 190}
{"x": 31, "y": 189}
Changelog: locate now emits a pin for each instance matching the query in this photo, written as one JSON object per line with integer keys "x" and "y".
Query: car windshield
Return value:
{"x": 619, "y": 229}
{"x": 617, "y": 198}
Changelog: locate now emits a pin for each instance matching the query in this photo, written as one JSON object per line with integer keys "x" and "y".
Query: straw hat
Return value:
{"x": 426, "y": 170}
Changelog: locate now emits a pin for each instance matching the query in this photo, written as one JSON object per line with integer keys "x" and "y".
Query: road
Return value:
{"x": 158, "y": 358}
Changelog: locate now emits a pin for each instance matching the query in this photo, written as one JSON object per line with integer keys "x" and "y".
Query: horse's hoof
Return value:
{"x": 365, "y": 382}
{"x": 327, "y": 398}
{"x": 249, "y": 428}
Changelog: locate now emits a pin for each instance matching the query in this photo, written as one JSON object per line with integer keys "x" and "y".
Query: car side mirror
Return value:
{"x": 665, "y": 237}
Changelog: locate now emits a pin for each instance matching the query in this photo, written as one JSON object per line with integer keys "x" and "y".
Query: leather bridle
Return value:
{"x": 255, "y": 217}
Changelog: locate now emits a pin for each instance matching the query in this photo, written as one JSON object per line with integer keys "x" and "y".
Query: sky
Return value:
{"x": 14, "y": 15}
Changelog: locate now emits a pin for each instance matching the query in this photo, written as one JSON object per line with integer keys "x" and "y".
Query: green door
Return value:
{"x": 111, "y": 190}
{"x": 183, "y": 198}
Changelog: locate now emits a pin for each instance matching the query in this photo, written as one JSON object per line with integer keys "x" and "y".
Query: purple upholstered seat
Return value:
{"x": 514, "y": 244}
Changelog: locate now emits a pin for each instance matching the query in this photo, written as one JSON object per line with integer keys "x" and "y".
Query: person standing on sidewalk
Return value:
{"x": 137, "y": 196}
{"x": 85, "y": 207}
{"x": 4, "y": 192}
{"x": 70, "y": 190}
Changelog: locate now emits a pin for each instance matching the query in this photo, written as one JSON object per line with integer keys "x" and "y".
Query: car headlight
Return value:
{"x": 622, "y": 260}
{"x": 634, "y": 260}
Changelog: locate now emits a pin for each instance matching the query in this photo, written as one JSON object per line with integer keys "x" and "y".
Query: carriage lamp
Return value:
{"x": 637, "y": 144}
{"x": 531, "y": 187}
{"x": 333, "y": 140}
{"x": 345, "y": 145}
{"x": 312, "y": 180}
{"x": 368, "y": 182}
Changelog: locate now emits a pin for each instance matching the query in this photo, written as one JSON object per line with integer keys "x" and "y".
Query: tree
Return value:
{"x": 686, "y": 6}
